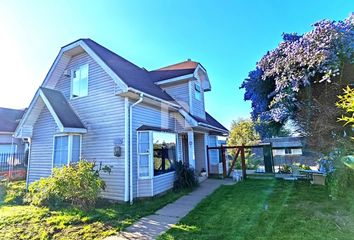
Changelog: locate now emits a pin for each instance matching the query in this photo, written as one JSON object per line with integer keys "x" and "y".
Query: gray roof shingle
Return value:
{"x": 9, "y": 119}
{"x": 62, "y": 108}
{"x": 131, "y": 74}
{"x": 210, "y": 121}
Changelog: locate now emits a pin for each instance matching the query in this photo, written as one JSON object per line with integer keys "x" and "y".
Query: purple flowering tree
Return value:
{"x": 301, "y": 78}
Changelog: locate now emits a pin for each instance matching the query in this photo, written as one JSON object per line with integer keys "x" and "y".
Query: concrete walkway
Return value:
{"x": 150, "y": 227}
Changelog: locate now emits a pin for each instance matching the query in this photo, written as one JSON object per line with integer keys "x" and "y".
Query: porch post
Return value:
{"x": 206, "y": 153}
{"x": 191, "y": 155}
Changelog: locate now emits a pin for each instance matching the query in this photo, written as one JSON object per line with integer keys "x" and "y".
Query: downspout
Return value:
{"x": 131, "y": 146}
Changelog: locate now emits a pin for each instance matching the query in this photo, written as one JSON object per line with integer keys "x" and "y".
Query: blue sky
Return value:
{"x": 227, "y": 37}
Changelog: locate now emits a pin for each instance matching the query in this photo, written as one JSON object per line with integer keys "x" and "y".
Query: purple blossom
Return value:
{"x": 297, "y": 62}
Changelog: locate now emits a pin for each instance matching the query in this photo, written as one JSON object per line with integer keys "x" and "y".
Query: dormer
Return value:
{"x": 186, "y": 82}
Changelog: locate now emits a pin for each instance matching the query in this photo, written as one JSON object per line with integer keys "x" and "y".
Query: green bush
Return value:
{"x": 285, "y": 169}
{"x": 13, "y": 192}
{"x": 304, "y": 167}
{"x": 77, "y": 184}
{"x": 341, "y": 181}
{"x": 185, "y": 177}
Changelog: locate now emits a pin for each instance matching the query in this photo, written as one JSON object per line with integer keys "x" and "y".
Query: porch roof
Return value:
{"x": 62, "y": 108}
{"x": 153, "y": 128}
{"x": 209, "y": 120}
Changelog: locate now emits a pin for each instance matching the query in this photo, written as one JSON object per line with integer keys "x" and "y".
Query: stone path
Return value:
{"x": 150, "y": 227}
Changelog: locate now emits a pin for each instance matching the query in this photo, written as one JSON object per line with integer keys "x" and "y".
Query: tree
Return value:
{"x": 346, "y": 102}
{"x": 242, "y": 132}
{"x": 300, "y": 79}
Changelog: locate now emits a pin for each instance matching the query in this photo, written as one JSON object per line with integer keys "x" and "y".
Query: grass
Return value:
{"x": 28, "y": 222}
{"x": 268, "y": 209}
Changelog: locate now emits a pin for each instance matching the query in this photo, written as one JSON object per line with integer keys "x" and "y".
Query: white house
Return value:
{"x": 96, "y": 105}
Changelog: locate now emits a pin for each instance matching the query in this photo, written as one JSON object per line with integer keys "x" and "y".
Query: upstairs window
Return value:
{"x": 66, "y": 150}
{"x": 79, "y": 82}
{"x": 197, "y": 92}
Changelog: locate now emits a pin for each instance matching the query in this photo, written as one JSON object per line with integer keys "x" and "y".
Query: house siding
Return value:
{"x": 197, "y": 106}
{"x": 40, "y": 162}
{"x": 163, "y": 182}
{"x": 179, "y": 92}
{"x": 102, "y": 112}
{"x": 144, "y": 114}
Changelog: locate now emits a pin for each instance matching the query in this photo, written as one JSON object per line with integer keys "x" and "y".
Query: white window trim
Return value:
{"x": 70, "y": 142}
{"x": 71, "y": 80}
{"x": 151, "y": 155}
{"x": 290, "y": 153}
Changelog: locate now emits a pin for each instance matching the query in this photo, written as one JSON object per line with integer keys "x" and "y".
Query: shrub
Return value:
{"x": 77, "y": 184}
{"x": 286, "y": 169}
{"x": 185, "y": 177}
{"x": 304, "y": 167}
{"x": 14, "y": 192}
{"x": 342, "y": 179}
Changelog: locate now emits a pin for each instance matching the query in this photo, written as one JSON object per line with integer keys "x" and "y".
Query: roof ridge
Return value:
{"x": 175, "y": 64}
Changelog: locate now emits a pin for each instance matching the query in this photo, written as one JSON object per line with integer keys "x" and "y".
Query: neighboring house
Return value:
{"x": 285, "y": 146}
{"x": 9, "y": 119}
{"x": 290, "y": 150}
{"x": 96, "y": 105}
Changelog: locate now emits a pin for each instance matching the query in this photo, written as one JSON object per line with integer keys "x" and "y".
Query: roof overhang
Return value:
{"x": 135, "y": 94}
{"x": 175, "y": 79}
{"x": 199, "y": 73}
{"x": 196, "y": 124}
{"x": 214, "y": 129}
{"x": 38, "y": 102}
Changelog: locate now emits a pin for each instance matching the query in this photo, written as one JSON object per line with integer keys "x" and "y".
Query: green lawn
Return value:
{"x": 29, "y": 222}
{"x": 268, "y": 209}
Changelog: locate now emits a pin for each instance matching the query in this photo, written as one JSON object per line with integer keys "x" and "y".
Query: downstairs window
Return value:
{"x": 156, "y": 153}
{"x": 67, "y": 149}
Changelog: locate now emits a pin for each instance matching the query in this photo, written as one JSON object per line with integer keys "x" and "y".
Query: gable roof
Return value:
{"x": 9, "y": 119}
{"x": 64, "y": 116}
{"x": 62, "y": 108}
{"x": 134, "y": 76}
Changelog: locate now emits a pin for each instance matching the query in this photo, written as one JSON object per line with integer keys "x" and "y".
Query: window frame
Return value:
{"x": 290, "y": 152}
{"x": 70, "y": 145}
{"x": 72, "y": 80}
{"x": 197, "y": 91}
{"x": 151, "y": 155}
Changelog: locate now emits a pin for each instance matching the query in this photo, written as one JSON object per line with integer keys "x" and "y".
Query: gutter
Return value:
{"x": 212, "y": 127}
{"x": 131, "y": 147}
{"x": 154, "y": 98}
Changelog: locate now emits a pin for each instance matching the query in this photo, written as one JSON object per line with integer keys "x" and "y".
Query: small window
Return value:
{"x": 288, "y": 151}
{"x": 144, "y": 154}
{"x": 79, "y": 82}
{"x": 66, "y": 150}
{"x": 198, "y": 94}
